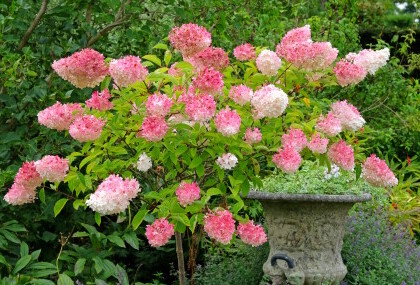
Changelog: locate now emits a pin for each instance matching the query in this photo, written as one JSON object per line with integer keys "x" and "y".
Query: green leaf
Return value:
{"x": 97, "y": 218}
{"x": 167, "y": 58}
{"x": 21, "y": 263}
{"x": 358, "y": 170}
{"x": 10, "y": 236}
{"x": 41, "y": 282}
{"x": 116, "y": 240}
{"x": 79, "y": 266}
{"x": 41, "y": 269}
{"x": 138, "y": 218}
{"x": 24, "y": 249}
{"x": 131, "y": 239}
{"x": 4, "y": 261}
{"x": 161, "y": 46}
{"x": 42, "y": 196}
{"x": 59, "y": 205}
{"x": 195, "y": 162}
{"x": 121, "y": 275}
{"x": 64, "y": 280}
{"x": 153, "y": 58}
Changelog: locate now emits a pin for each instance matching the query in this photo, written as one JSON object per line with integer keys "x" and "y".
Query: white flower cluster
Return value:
{"x": 335, "y": 172}
{"x": 268, "y": 63}
{"x": 372, "y": 60}
{"x": 144, "y": 163}
{"x": 227, "y": 161}
{"x": 269, "y": 101}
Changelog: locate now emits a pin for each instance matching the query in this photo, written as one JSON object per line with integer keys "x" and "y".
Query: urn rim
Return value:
{"x": 260, "y": 195}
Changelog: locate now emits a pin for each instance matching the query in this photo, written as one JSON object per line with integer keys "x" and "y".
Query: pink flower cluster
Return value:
{"x": 287, "y": 159}
{"x": 241, "y": 94}
{"x": 252, "y": 234}
{"x": 153, "y": 129}
{"x": 227, "y": 161}
{"x": 244, "y": 52}
{"x": 158, "y": 105}
{"x": 23, "y": 189}
{"x": 227, "y": 122}
{"x": 253, "y": 135}
{"x": 268, "y": 63}
{"x": 210, "y": 57}
{"x": 187, "y": 193}
{"x": 175, "y": 71}
{"x": 160, "y": 232}
{"x": 100, "y": 101}
{"x": 377, "y": 173}
{"x": 295, "y": 139}
{"x": 82, "y": 69}
{"x": 200, "y": 107}
{"x": 219, "y": 225}
{"x": 370, "y": 60}
{"x": 189, "y": 39}
{"x": 348, "y": 115}
{"x": 127, "y": 70}
{"x": 86, "y": 128}
{"x": 348, "y": 73}
{"x": 318, "y": 144}
{"x": 113, "y": 195}
{"x": 52, "y": 168}
{"x": 342, "y": 155}
{"x": 330, "y": 125}
{"x": 269, "y": 101}
{"x": 297, "y": 47}
{"x": 60, "y": 116}
{"x": 209, "y": 81}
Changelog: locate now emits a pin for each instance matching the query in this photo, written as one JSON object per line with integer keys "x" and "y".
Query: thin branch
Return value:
{"x": 33, "y": 25}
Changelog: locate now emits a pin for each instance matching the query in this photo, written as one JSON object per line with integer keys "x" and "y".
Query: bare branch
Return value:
{"x": 33, "y": 25}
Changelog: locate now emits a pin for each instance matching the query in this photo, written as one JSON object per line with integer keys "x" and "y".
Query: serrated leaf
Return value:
{"x": 116, "y": 240}
{"x": 131, "y": 239}
{"x": 24, "y": 249}
{"x": 21, "y": 263}
{"x": 97, "y": 218}
{"x": 138, "y": 218}
{"x": 64, "y": 280}
{"x": 167, "y": 58}
{"x": 59, "y": 205}
{"x": 121, "y": 275}
{"x": 79, "y": 266}
{"x": 153, "y": 58}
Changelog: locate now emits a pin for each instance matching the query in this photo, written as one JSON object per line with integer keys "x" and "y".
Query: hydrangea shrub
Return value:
{"x": 183, "y": 141}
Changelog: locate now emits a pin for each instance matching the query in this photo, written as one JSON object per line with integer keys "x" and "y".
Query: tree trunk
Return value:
{"x": 180, "y": 255}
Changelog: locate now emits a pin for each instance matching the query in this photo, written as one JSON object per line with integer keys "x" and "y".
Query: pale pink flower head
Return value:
{"x": 158, "y": 105}
{"x": 189, "y": 38}
{"x": 227, "y": 122}
{"x": 220, "y": 225}
{"x": 371, "y": 60}
{"x": 27, "y": 176}
{"x": 153, "y": 129}
{"x": 175, "y": 71}
{"x": 209, "y": 81}
{"x": 187, "y": 193}
{"x": 295, "y": 138}
{"x": 127, "y": 70}
{"x": 252, "y": 234}
{"x": 330, "y": 125}
{"x": 160, "y": 232}
{"x": 200, "y": 107}
{"x": 52, "y": 168}
{"x": 86, "y": 128}
{"x": 85, "y": 68}
{"x": 342, "y": 155}
{"x": 60, "y": 116}
{"x": 268, "y": 63}
{"x": 376, "y": 172}
{"x": 318, "y": 144}
{"x": 241, "y": 94}
{"x": 348, "y": 73}
{"x": 244, "y": 52}
{"x": 269, "y": 101}
{"x": 287, "y": 159}
{"x": 19, "y": 195}
{"x": 293, "y": 37}
{"x": 253, "y": 135}
{"x": 113, "y": 195}
{"x": 210, "y": 57}
{"x": 348, "y": 115}
{"x": 227, "y": 161}
{"x": 100, "y": 101}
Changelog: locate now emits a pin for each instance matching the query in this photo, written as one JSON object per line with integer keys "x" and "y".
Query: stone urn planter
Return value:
{"x": 305, "y": 233}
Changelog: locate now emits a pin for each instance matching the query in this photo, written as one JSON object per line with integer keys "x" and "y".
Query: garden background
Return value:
{"x": 34, "y": 244}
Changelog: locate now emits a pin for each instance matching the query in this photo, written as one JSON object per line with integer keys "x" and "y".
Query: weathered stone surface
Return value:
{"x": 309, "y": 229}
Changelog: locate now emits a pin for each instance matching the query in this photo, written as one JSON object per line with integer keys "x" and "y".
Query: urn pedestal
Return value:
{"x": 305, "y": 233}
